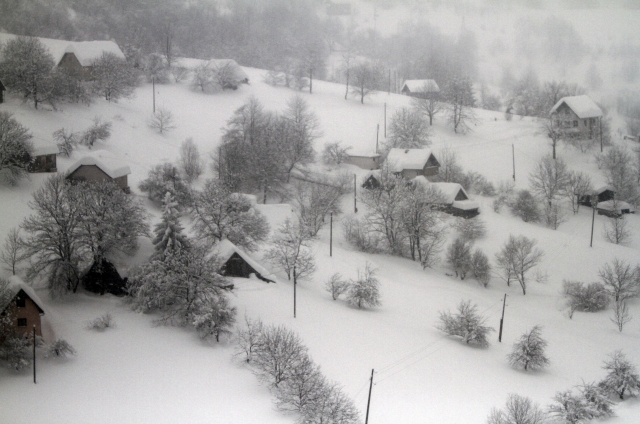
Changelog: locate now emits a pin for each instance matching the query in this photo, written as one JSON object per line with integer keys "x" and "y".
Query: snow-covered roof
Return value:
{"x": 362, "y": 154}
{"x": 401, "y": 159}
{"x": 617, "y": 205}
{"x": 449, "y": 191}
{"x": 421, "y": 86}
{"x": 239, "y": 73}
{"x": 106, "y": 161}
{"x": 466, "y": 205}
{"x": 88, "y": 51}
{"x": 582, "y": 106}
{"x": 602, "y": 189}
{"x": 41, "y": 148}
{"x": 85, "y": 51}
{"x": 225, "y": 249}
{"x": 15, "y": 285}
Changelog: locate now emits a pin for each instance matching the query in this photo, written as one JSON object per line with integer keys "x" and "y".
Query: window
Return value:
{"x": 21, "y": 302}
{"x": 22, "y": 322}
{"x": 575, "y": 123}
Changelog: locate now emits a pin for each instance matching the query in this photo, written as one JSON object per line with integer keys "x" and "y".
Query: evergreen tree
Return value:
{"x": 168, "y": 232}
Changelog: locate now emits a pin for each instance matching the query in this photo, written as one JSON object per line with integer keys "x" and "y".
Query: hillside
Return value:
{"x": 141, "y": 373}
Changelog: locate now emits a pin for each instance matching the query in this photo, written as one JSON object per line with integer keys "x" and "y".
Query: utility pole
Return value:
{"x": 593, "y": 220}
{"x": 153, "y": 82}
{"x": 377, "y": 136}
{"x": 310, "y": 80}
{"x": 385, "y": 121}
{"x": 330, "y": 234}
{"x": 504, "y": 303}
{"x": 34, "y": 354}
{"x": 389, "y": 92}
{"x": 366, "y": 420}
{"x": 355, "y": 200}
{"x": 513, "y": 156}
{"x": 294, "y": 291}
{"x": 601, "y": 134}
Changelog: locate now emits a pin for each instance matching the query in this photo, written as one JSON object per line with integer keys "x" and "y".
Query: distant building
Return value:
{"x": 363, "y": 160}
{"x": 411, "y": 163}
{"x": 24, "y": 306}
{"x": 44, "y": 157}
{"x": 99, "y": 166}
{"x": 576, "y": 114}
{"x": 238, "y": 263}
{"x": 599, "y": 195}
{"x": 420, "y": 88}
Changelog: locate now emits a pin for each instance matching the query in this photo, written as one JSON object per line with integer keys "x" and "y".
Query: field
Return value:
{"x": 141, "y": 373}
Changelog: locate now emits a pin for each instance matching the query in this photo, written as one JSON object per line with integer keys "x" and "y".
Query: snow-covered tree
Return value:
{"x": 554, "y": 214}
{"x": 429, "y": 105}
{"x": 365, "y": 291}
{"x": 113, "y": 78}
{"x": 569, "y": 408}
{"x": 588, "y": 298}
{"x": 480, "y": 267}
{"x": 98, "y": 131}
{"x": 220, "y": 214}
{"x": 66, "y": 141}
{"x": 616, "y": 230}
{"x": 303, "y": 129}
{"x": 459, "y": 257}
{"x": 622, "y": 378}
{"x": 190, "y": 160}
{"x": 467, "y": 324}
{"x": 12, "y": 251}
{"x": 14, "y": 348}
{"x": 528, "y": 353}
{"x": 203, "y": 79}
{"x": 292, "y": 250}
{"x": 213, "y": 315}
{"x": 518, "y": 410}
{"x": 458, "y": 94}
{"x": 549, "y": 179}
{"x": 279, "y": 354}
{"x": 578, "y": 185}
{"x": 621, "y": 314}
{"x": 316, "y": 200}
{"x": 364, "y": 79}
{"x": 332, "y": 405}
{"x": 169, "y": 232}
{"x": 15, "y": 149}
{"x": 302, "y": 389}
{"x": 336, "y": 285}
{"x": 516, "y": 258}
{"x": 165, "y": 178}
{"x": 617, "y": 166}
{"x": 526, "y": 207}
{"x": 408, "y": 130}
{"x": 620, "y": 279}
{"x": 162, "y": 120}
{"x": 598, "y": 403}
{"x": 334, "y": 153}
{"x": 247, "y": 340}
{"x": 470, "y": 229}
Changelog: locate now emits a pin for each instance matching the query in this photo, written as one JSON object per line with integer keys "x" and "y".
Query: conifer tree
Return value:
{"x": 168, "y": 232}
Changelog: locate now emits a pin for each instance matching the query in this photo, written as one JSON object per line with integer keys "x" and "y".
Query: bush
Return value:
{"x": 470, "y": 229}
{"x": 477, "y": 183}
{"x": 59, "y": 348}
{"x": 66, "y": 141}
{"x": 190, "y": 160}
{"x": 102, "y": 323}
{"x": 459, "y": 257}
{"x": 586, "y": 298}
{"x": 528, "y": 353}
{"x": 165, "y": 178}
{"x": 357, "y": 233}
{"x": 480, "y": 267}
{"x": 467, "y": 324}
{"x": 518, "y": 410}
{"x": 526, "y": 207}
{"x": 364, "y": 292}
{"x": 99, "y": 131}
{"x": 336, "y": 286}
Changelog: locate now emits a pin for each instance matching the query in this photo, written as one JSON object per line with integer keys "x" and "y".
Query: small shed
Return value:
{"x": 44, "y": 157}
{"x": 372, "y": 180}
{"x": 614, "y": 208}
{"x": 99, "y": 166}
{"x": 2, "y": 90}
{"x": 576, "y": 114}
{"x": 364, "y": 160}
{"x": 24, "y": 305}
{"x": 421, "y": 88}
{"x": 237, "y": 263}
{"x": 602, "y": 194}
{"x": 411, "y": 163}
{"x": 455, "y": 201}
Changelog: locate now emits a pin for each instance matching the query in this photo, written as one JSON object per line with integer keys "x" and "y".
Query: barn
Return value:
{"x": 364, "y": 160}
{"x": 421, "y": 88}
{"x": 237, "y": 263}
{"x": 44, "y": 157}
{"x": 100, "y": 166}
{"x": 576, "y": 114}
{"x": 24, "y": 305}
{"x": 411, "y": 163}
{"x": 601, "y": 194}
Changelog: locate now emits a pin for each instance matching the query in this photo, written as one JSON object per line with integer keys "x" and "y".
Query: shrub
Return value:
{"x": 480, "y": 267}
{"x": 59, "y": 348}
{"x": 586, "y": 298}
{"x": 336, "y": 286}
{"x": 99, "y": 131}
{"x": 459, "y": 257}
{"x": 528, "y": 353}
{"x": 470, "y": 229}
{"x": 357, "y": 233}
{"x": 165, "y": 178}
{"x": 102, "y": 323}
{"x": 467, "y": 324}
{"x": 364, "y": 292}
{"x": 623, "y": 376}
{"x": 526, "y": 207}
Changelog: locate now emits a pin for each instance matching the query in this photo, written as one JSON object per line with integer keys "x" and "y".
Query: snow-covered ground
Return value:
{"x": 140, "y": 373}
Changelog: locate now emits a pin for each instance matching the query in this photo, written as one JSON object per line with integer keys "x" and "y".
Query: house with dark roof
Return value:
{"x": 238, "y": 263}
{"x": 576, "y": 114}
{"x": 411, "y": 163}
{"x": 24, "y": 306}
{"x": 100, "y": 166}
{"x": 421, "y": 88}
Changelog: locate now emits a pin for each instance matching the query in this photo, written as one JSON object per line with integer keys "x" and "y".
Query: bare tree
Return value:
{"x": 554, "y": 214}
{"x": 334, "y": 153}
{"x": 429, "y": 105}
{"x": 98, "y": 131}
{"x": 450, "y": 170}
{"x": 554, "y": 133}
{"x": 623, "y": 376}
{"x": 247, "y": 340}
{"x": 113, "y": 77}
{"x": 303, "y": 129}
{"x": 302, "y": 389}
{"x": 528, "y": 353}
{"x": 518, "y": 410}
{"x": 365, "y": 291}
{"x": 516, "y": 258}
{"x": 549, "y": 179}
{"x": 578, "y": 185}
{"x": 203, "y": 78}
{"x": 162, "y": 121}
{"x": 11, "y": 254}
{"x": 365, "y": 79}
{"x": 526, "y": 207}
{"x": 279, "y": 353}
{"x": 459, "y": 257}
{"x": 292, "y": 250}
{"x": 617, "y": 167}
{"x": 337, "y": 285}
{"x": 616, "y": 230}
{"x": 316, "y": 200}
{"x": 66, "y": 141}
{"x": 408, "y": 130}
{"x": 621, "y": 314}
{"x": 620, "y": 279}
{"x": 190, "y": 160}
{"x": 458, "y": 94}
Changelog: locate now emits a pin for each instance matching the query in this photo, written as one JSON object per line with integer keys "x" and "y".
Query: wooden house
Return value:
{"x": 364, "y": 160}
{"x": 599, "y": 195}
{"x": 44, "y": 157}
{"x": 576, "y": 114}
{"x": 410, "y": 163}
{"x": 422, "y": 88}
{"x": 2, "y": 90}
{"x": 237, "y": 263}
{"x": 372, "y": 180}
{"x": 99, "y": 166}
{"x": 455, "y": 200}
{"x": 24, "y": 307}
